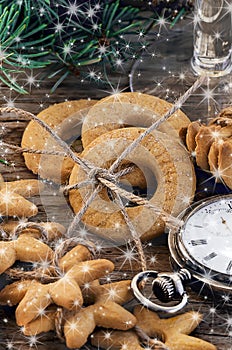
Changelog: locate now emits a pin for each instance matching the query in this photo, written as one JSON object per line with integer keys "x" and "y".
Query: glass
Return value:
{"x": 212, "y": 37}
{"x": 180, "y": 53}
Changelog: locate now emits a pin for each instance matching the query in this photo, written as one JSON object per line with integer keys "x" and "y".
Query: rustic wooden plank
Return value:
{"x": 216, "y": 326}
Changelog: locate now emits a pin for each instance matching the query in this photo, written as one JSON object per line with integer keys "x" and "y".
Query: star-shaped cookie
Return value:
{"x": 173, "y": 331}
{"x": 105, "y": 311}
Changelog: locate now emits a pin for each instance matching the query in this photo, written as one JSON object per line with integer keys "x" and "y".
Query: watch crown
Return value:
{"x": 167, "y": 286}
{"x": 184, "y": 275}
{"x": 163, "y": 288}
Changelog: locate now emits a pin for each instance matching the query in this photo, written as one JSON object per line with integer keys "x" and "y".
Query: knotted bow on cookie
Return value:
{"x": 174, "y": 331}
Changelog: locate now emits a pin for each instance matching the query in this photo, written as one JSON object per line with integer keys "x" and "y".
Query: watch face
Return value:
{"x": 207, "y": 235}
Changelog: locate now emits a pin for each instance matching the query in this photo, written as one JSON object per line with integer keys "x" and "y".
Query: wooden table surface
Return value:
{"x": 217, "y": 325}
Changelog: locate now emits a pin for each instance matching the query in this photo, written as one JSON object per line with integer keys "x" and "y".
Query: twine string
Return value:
{"x": 133, "y": 232}
{"x": 76, "y": 220}
{"x": 153, "y": 343}
{"x": 114, "y": 178}
{"x": 85, "y": 164}
{"x": 84, "y": 183}
{"x": 68, "y": 243}
{"x": 59, "y": 320}
{"x": 34, "y": 225}
{"x": 155, "y": 125}
{"x": 18, "y": 149}
{"x": 104, "y": 176}
{"x": 171, "y": 220}
{"x": 36, "y": 274}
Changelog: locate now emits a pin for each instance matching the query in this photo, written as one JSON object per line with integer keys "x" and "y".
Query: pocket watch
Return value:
{"x": 200, "y": 252}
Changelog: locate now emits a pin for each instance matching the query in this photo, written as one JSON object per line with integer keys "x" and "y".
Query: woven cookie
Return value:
{"x": 213, "y": 156}
{"x": 211, "y": 145}
{"x": 172, "y": 331}
{"x": 12, "y": 201}
{"x": 226, "y": 113}
{"x": 130, "y": 109}
{"x": 222, "y": 121}
{"x": 35, "y": 137}
{"x": 172, "y": 186}
{"x": 225, "y": 162}
{"x": 192, "y": 130}
{"x": 204, "y": 139}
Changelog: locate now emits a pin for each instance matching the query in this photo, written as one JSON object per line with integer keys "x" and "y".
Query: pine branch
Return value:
{"x": 17, "y": 37}
{"x": 67, "y": 35}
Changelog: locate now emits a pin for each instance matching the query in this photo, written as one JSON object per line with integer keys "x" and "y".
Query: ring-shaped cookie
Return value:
{"x": 130, "y": 109}
{"x": 35, "y": 137}
{"x": 173, "y": 183}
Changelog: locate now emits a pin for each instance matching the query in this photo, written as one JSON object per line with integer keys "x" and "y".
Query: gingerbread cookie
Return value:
{"x": 25, "y": 188}
{"x": 44, "y": 323}
{"x": 64, "y": 292}
{"x": 106, "y": 311}
{"x": 37, "y": 310}
{"x": 130, "y": 109}
{"x": 25, "y": 248}
{"x": 35, "y": 137}
{"x": 165, "y": 158}
{"x": 174, "y": 333}
{"x": 50, "y": 230}
{"x": 12, "y": 204}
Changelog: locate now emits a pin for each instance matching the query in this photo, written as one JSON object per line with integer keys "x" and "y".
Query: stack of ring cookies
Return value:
{"x": 160, "y": 165}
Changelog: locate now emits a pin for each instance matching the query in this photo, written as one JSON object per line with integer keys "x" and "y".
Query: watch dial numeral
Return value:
{"x": 210, "y": 256}
{"x": 206, "y": 236}
{"x": 229, "y": 267}
{"x": 195, "y": 242}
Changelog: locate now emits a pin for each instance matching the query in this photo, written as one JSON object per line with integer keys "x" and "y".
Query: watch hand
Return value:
{"x": 224, "y": 222}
